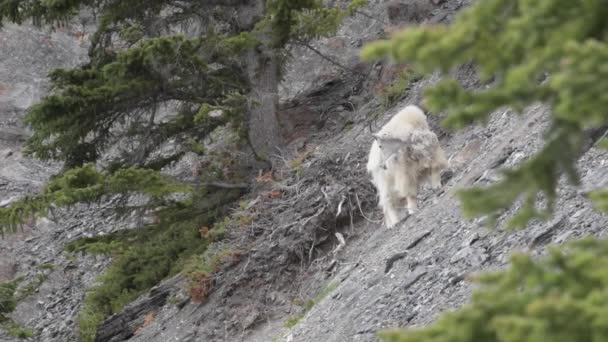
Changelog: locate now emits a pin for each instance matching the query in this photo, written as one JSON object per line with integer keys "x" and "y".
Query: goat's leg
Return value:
{"x": 435, "y": 178}
{"x": 412, "y": 204}
{"x": 385, "y": 201}
{"x": 402, "y": 182}
{"x": 391, "y": 217}
{"x": 391, "y": 214}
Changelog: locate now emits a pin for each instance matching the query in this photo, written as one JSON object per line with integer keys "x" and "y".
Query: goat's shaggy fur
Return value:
{"x": 405, "y": 153}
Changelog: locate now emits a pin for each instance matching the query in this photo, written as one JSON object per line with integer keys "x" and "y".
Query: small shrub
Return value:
{"x": 88, "y": 320}
{"x": 200, "y": 286}
{"x": 244, "y": 219}
{"x": 46, "y": 266}
{"x": 218, "y": 231}
{"x": 399, "y": 87}
{"x": 200, "y": 270}
{"x": 13, "y": 329}
{"x": 309, "y": 304}
{"x": 31, "y": 287}
{"x": 264, "y": 178}
{"x": 293, "y": 320}
{"x": 239, "y": 218}
{"x": 348, "y": 125}
{"x": 243, "y": 204}
{"x": 148, "y": 319}
{"x": 8, "y": 301}
{"x": 296, "y": 163}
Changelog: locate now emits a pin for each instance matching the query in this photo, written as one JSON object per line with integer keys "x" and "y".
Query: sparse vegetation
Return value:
{"x": 200, "y": 270}
{"x": 7, "y": 298}
{"x": 295, "y": 164}
{"x": 142, "y": 258}
{"x": 46, "y": 266}
{"x": 13, "y": 329}
{"x": 309, "y": 304}
{"x": 104, "y": 244}
{"x": 293, "y": 320}
{"x": 399, "y": 87}
{"x": 31, "y": 287}
{"x": 348, "y": 125}
{"x": 148, "y": 319}
{"x": 8, "y": 303}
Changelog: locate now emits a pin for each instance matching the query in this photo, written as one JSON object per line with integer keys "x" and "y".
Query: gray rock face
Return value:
{"x": 377, "y": 278}
{"x": 400, "y": 12}
{"x": 26, "y": 56}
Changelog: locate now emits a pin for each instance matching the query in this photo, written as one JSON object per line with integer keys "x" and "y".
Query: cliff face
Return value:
{"x": 26, "y": 55}
{"x": 292, "y": 267}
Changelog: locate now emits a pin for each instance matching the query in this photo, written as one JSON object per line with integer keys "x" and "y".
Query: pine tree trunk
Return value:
{"x": 264, "y": 131}
{"x": 262, "y": 69}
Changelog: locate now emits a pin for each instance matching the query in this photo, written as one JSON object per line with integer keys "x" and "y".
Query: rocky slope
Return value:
{"x": 26, "y": 55}
{"x": 291, "y": 254}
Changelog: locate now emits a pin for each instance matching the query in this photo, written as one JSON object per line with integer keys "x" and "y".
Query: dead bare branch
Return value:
{"x": 361, "y": 210}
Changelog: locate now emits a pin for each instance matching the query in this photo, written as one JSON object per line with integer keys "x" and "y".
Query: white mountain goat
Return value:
{"x": 405, "y": 153}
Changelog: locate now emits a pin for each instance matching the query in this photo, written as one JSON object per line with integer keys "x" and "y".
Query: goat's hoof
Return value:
{"x": 390, "y": 225}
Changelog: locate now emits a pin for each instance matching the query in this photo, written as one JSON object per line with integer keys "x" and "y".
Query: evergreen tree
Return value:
{"x": 547, "y": 51}
{"x": 139, "y": 68}
{"x": 144, "y": 87}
